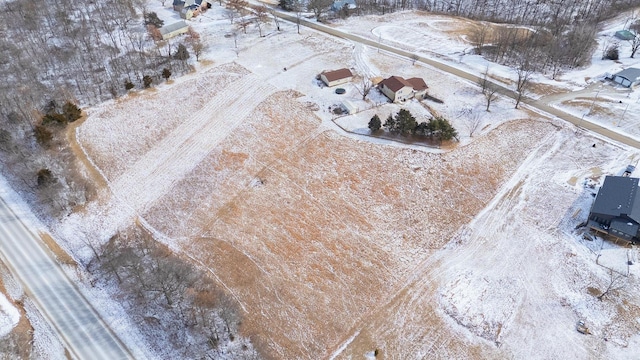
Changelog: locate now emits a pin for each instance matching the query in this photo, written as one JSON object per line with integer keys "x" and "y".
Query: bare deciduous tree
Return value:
{"x": 261, "y": 17}
{"x": 364, "y": 87}
{"x": 524, "y": 71}
{"x": 489, "y": 89}
{"x": 616, "y": 282}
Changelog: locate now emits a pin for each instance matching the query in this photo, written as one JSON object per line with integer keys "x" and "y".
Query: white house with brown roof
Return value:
{"x": 419, "y": 87}
{"x": 336, "y": 77}
{"x": 397, "y": 88}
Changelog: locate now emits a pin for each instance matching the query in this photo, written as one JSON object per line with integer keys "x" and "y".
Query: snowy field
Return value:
{"x": 334, "y": 243}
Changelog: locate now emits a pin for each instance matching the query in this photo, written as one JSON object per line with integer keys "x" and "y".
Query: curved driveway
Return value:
{"x": 77, "y": 324}
{"x": 542, "y": 107}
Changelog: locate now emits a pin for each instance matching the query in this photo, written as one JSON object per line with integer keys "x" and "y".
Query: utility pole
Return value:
{"x": 593, "y": 103}
{"x": 622, "y": 117}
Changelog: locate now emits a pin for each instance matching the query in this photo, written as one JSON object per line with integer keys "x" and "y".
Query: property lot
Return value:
{"x": 334, "y": 244}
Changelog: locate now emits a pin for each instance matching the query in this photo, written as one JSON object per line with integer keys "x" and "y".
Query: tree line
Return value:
{"x": 404, "y": 123}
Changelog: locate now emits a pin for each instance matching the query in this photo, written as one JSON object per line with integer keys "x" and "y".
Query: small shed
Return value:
{"x": 624, "y": 35}
{"x": 336, "y": 77}
{"x": 627, "y": 77}
{"x": 174, "y": 29}
{"x": 349, "y": 107}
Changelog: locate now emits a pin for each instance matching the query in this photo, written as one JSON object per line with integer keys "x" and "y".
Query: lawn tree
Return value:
{"x": 489, "y": 89}
{"x": 181, "y": 53}
{"x": 616, "y": 282}
{"x": 441, "y": 129}
{"x": 276, "y": 19}
{"x": 405, "y": 122}
{"x": 298, "y": 7}
{"x": 261, "y": 17}
{"x": 635, "y": 42}
{"x": 364, "y": 87}
{"x": 524, "y": 72}
{"x": 318, "y": 7}
{"x": 375, "y": 123}
{"x": 194, "y": 41}
{"x": 471, "y": 119}
{"x": 230, "y": 14}
{"x": 390, "y": 124}
{"x": 243, "y": 25}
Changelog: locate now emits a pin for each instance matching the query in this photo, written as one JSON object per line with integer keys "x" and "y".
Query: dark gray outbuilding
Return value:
{"x": 616, "y": 209}
{"x": 627, "y": 77}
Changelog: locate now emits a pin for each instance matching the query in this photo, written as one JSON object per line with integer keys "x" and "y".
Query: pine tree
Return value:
{"x": 71, "y": 112}
{"x": 405, "y": 122}
{"x": 166, "y": 73}
{"x": 375, "y": 123}
{"x": 390, "y": 124}
{"x": 182, "y": 53}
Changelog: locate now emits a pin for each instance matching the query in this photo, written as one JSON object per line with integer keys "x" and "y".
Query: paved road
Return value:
{"x": 535, "y": 104}
{"x": 77, "y": 324}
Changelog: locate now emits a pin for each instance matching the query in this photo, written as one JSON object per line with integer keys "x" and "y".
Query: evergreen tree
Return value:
{"x": 166, "y": 73}
{"x": 153, "y": 19}
{"x": 128, "y": 85}
{"x": 390, "y": 124}
{"x": 182, "y": 53}
{"x": 43, "y": 135}
{"x": 375, "y": 123}
{"x": 147, "y": 80}
{"x": 71, "y": 112}
{"x": 441, "y": 129}
{"x": 405, "y": 122}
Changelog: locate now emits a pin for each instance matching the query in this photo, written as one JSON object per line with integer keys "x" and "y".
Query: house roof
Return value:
{"x": 173, "y": 27}
{"x": 418, "y": 84}
{"x": 618, "y": 196}
{"x": 178, "y": 2}
{"x": 337, "y": 74}
{"x": 631, "y": 74}
{"x": 395, "y": 83}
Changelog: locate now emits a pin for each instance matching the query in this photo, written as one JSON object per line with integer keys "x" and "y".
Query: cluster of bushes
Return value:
{"x": 404, "y": 123}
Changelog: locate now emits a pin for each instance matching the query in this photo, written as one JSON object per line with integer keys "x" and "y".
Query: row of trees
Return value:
{"x": 404, "y": 123}
{"x": 177, "y": 303}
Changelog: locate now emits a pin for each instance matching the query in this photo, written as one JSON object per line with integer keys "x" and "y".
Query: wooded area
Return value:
{"x": 58, "y": 52}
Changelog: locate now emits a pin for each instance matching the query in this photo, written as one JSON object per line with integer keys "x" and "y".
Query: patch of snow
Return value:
{"x": 9, "y": 316}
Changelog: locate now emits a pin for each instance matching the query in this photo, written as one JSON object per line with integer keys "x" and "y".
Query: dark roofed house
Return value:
{"x": 396, "y": 88}
{"x": 336, "y": 77}
{"x": 627, "y": 77}
{"x": 616, "y": 209}
{"x": 419, "y": 87}
{"x": 399, "y": 89}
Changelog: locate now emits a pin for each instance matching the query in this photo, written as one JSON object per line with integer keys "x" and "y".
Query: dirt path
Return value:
{"x": 92, "y": 171}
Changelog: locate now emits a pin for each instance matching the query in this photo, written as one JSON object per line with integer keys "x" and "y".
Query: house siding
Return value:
{"x": 335, "y": 82}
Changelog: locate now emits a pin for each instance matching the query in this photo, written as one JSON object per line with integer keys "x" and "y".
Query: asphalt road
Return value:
{"x": 540, "y": 106}
{"x": 77, "y": 324}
